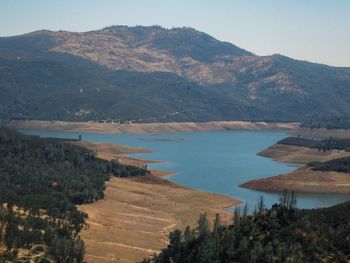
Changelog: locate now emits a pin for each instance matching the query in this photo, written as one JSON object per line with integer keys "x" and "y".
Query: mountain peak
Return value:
{"x": 183, "y": 51}
{"x": 139, "y": 72}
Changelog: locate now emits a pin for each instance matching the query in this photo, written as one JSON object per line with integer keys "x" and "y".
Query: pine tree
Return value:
{"x": 217, "y": 228}
{"x": 175, "y": 241}
{"x": 261, "y": 205}
{"x": 203, "y": 226}
{"x": 188, "y": 235}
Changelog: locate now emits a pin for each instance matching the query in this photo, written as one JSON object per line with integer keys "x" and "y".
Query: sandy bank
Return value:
{"x": 303, "y": 179}
{"x": 145, "y": 128}
{"x": 135, "y": 217}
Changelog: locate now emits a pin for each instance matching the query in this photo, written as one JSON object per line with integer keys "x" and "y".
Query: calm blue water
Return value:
{"x": 212, "y": 161}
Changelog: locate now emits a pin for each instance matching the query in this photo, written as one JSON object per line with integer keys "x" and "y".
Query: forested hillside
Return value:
{"x": 341, "y": 165}
{"x": 324, "y": 145}
{"x": 41, "y": 182}
{"x": 152, "y": 74}
{"x": 282, "y": 233}
{"x": 330, "y": 123}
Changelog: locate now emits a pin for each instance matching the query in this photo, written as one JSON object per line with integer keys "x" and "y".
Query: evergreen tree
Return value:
{"x": 203, "y": 226}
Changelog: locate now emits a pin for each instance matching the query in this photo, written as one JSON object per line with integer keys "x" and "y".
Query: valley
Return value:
{"x": 136, "y": 215}
{"x": 156, "y": 145}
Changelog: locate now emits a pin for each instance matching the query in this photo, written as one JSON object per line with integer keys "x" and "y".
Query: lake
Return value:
{"x": 217, "y": 161}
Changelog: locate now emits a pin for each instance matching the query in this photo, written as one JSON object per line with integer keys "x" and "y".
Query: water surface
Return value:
{"x": 217, "y": 161}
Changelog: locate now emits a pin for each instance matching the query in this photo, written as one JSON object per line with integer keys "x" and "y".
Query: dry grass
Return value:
{"x": 304, "y": 180}
{"x": 109, "y": 151}
{"x": 300, "y": 155}
{"x": 137, "y": 214}
{"x": 134, "y": 219}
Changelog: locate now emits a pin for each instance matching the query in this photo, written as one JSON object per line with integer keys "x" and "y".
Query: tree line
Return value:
{"x": 282, "y": 233}
{"x": 341, "y": 165}
{"x": 41, "y": 182}
{"x": 323, "y": 145}
{"x": 329, "y": 123}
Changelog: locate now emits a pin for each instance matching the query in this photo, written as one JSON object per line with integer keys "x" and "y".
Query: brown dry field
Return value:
{"x": 135, "y": 218}
{"x": 137, "y": 214}
{"x": 303, "y": 179}
{"x": 144, "y": 128}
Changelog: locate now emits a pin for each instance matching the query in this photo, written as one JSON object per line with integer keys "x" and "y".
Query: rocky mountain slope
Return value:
{"x": 155, "y": 74}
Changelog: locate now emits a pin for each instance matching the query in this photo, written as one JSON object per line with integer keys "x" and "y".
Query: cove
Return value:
{"x": 217, "y": 161}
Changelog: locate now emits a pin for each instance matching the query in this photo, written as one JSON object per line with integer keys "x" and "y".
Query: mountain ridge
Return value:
{"x": 178, "y": 70}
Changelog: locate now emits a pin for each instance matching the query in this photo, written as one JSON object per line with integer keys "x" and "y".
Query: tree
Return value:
{"x": 261, "y": 205}
{"x": 188, "y": 235}
{"x": 288, "y": 199}
{"x": 203, "y": 226}
{"x": 217, "y": 227}
{"x": 175, "y": 241}
{"x": 11, "y": 232}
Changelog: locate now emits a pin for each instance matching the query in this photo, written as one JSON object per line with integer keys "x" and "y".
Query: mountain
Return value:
{"x": 154, "y": 74}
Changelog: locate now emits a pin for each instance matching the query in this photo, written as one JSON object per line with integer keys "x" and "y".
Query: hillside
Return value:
{"x": 42, "y": 181}
{"x": 149, "y": 74}
{"x": 279, "y": 234}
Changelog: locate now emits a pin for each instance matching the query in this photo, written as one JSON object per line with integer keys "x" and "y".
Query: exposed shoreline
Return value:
{"x": 303, "y": 179}
{"x": 109, "y": 151}
{"x": 151, "y": 128}
{"x": 148, "y": 208}
{"x": 135, "y": 217}
{"x": 300, "y": 155}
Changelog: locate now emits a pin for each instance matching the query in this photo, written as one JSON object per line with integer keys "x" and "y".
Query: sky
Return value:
{"x": 313, "y": 30}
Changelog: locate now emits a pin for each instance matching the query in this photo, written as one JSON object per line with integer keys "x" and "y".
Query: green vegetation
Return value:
{"x": 280, "y": 234}
{"x": 56, "y": 86}
{"x": 41, "y": 182}
{"x": 341, "y": 165}
{"x": 329, "y": 123}
{"x": 336, "y": 165}
{"x": 322, "y": 145}
{"x": 38, "y": 83}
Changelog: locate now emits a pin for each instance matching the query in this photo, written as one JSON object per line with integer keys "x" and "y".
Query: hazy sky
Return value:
{"x": 315, "y": 30}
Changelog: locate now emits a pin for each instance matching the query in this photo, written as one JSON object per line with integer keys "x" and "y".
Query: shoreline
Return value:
{"x": 110, "y": 151}
{"x": 151, "y": 128}
{"x": 303, "y": 179}
{"x": 137, "y": 214}
{"x": 300, "y": 155}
